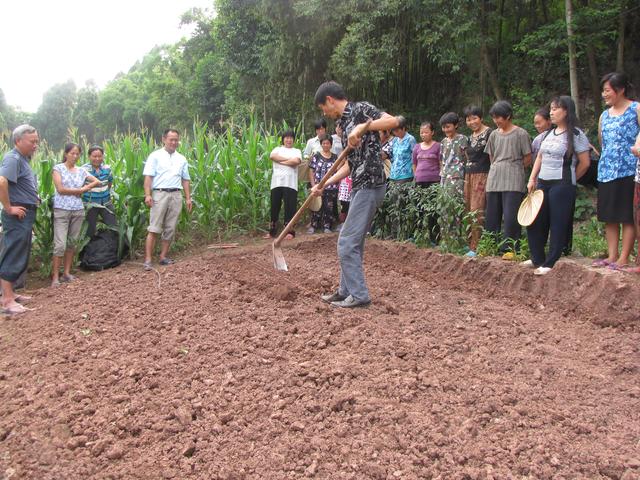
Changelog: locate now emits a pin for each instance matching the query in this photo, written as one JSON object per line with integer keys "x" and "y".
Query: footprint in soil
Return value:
{"x": 284, "y": 292}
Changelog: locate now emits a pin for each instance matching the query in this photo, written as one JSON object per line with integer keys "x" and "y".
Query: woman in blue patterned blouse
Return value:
{"x": 618, "y": 129}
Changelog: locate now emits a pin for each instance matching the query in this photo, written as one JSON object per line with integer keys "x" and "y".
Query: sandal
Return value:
{"x": 16, "y": 309}
{"x": 603, "y": 262}
{"x": 616, "y": 267}
{"x": 630, "y": 269}
{"x": 166, "y": 261}
{"x": 55, "y": 283}
{"x": 68, "y": 278}
{"x": 23, "y": 298}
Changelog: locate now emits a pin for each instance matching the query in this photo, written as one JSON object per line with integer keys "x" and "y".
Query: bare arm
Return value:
{"x": 600, "y": 132}
{"x": 148, "y": 199}
{"x": 186, "y": 185}
{"x": 385, "y": 122}
{"x": 62, "y": 190}
{"x": 291, "y": 162}
{"x": 19, "y": 212}
{"x": 526, "y": 160}
{"x": 533, "y": 178}
{"x": 93, "y": 182}
{"x": 312, "y": 179}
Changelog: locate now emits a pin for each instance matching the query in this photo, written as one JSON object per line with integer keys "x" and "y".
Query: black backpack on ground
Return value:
{"x": 102, "y": 251}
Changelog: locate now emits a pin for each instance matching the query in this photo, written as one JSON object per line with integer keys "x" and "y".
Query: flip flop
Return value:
{"x": 630, "y": 269}
{"x": 16, "y": 309}
{"x": 616, "y": 267}
{"x": 601, "y": 263}
{"x": 23, "y": 298}
{"x": 166, "y": 261}
{"x": 68, "y": 278}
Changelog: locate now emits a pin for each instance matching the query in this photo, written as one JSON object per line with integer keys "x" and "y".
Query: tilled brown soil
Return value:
{"x": 221, "y": 368}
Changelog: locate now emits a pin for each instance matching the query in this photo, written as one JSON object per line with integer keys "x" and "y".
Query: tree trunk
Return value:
{"x": 484, "y": 52}
{"x": 595, "y": 84}
{"x": 573, "y": 64}
{"x": 621, "y": 27}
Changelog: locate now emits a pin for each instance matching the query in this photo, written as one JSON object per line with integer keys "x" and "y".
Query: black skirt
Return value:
{"x": 615, "y": 200}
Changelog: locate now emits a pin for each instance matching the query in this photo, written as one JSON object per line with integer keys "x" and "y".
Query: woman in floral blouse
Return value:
{"x": 452, "y": 158}
{"x": 68, "y": 210}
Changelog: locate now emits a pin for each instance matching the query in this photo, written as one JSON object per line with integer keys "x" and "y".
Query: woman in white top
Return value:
{"x": 284, "y": 182}
{"x": 562, "y": 159}
{"x": 68, "y": 210}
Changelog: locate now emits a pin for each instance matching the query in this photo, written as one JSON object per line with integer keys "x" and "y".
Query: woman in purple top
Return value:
{"x": 426, "y": 155}
{"x": 426, "y": 169}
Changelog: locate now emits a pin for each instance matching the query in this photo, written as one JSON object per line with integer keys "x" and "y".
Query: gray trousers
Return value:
{"x": 364, "y": 203}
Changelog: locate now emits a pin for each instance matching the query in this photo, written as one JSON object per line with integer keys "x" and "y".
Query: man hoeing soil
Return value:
{"x": 360, "y": 122}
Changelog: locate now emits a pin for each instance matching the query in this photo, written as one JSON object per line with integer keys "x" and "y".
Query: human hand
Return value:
{"x": 316, "y": 190}
{"x": 531, "y": 186}
{"x": 636, "y": 150}
{"x": 19, "y": 212}
{"x": 356, "y": 134}
{"x": 189, "y": 204}
{"x": 148, "y": 200}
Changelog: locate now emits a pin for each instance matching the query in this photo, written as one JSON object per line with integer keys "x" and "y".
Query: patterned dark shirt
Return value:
{"x": 365, "y": 162}
{"x": 320, "y": 166}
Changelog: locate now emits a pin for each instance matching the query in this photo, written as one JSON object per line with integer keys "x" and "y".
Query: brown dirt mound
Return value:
{"x": 230, "y": 370}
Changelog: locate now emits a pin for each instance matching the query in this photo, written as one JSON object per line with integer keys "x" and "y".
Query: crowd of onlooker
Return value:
{"x": 81, "y": 193}
{"x": 492, "y": 170}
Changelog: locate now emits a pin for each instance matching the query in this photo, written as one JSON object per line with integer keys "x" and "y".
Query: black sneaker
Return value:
{"x": 351, "y": 302}
{"x": 332, "y": 297}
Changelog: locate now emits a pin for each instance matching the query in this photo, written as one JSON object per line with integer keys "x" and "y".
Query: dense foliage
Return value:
{"x": 415, "y": 57}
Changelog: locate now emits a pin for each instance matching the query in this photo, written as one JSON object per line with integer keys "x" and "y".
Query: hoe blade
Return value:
{"x": 278, "y": 258}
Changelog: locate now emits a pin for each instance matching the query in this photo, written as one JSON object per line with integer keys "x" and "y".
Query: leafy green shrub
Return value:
{"x": 589, "y": 239}
{"x": 404, "y": 213}
{"x": 489, "y": 244}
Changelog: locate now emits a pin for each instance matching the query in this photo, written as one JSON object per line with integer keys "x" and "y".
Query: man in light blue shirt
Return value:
{"x": 166, "y": 174}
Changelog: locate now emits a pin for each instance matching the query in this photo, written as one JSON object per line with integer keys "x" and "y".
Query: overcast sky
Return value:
{"x": 45, "y": 42}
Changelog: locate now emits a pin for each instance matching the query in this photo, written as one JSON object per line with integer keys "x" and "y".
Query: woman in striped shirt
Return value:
{"x": 98, "y": 199}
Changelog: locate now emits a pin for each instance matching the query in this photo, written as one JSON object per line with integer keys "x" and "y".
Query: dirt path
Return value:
{"x": 229, "y": 370}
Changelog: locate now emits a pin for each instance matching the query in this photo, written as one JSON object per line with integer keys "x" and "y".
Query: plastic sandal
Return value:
{"x": 616, "y": 267}
{"x": 601, "y": 263}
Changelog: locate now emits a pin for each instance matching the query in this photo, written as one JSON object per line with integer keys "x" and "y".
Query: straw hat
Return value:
{"x": 530, "y": 207}
{"x": 315, "y": 204}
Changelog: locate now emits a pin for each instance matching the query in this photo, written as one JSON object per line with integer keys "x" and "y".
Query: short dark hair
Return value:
{"x": 543, "y": 112}
{"x": 93, "y": 148}
{"x": 287, "y": 133}
{"x": 329, "y": 89}
{"x": 428, "y": 123}
{"x": 320, "y": 123}
{"x": 618, "y": 81}
{"x": 402, "y": 123}
{"x": 472, "y": 111}
{"x": 449, "y": 117}
{"x": 326, "y": 138}
{"x": 501, "y": 108}
{"x": 170, "y": 130}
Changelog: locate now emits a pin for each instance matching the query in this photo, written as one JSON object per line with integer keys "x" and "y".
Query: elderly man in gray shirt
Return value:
{"x": 19, "y": 199}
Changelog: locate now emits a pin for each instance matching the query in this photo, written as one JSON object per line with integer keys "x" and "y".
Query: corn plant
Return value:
{"x": 230, "y": 173}
{"x": 43, "y": 227}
